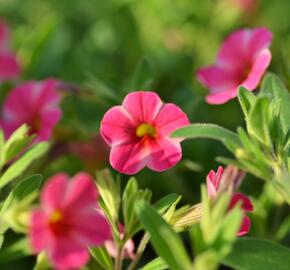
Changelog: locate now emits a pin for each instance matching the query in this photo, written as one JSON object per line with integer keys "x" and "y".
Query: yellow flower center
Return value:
{"x": 56, "y": 217}
{"x": 145, "y": 129}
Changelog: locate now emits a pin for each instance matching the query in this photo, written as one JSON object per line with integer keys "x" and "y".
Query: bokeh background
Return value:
{"x": 102, "y": 50}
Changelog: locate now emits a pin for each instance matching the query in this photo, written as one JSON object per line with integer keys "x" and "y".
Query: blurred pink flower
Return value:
{"x": 246, "y": 5}
{"x": 128, "y": 250}
{"x": 242, "y": 60}
{"x": 9, "y": 66}
{"x": 35, "y": 104}
{"x": 226, "y": 181}
{"x": 68, "y": 221}
{"x": 139, "y": 132}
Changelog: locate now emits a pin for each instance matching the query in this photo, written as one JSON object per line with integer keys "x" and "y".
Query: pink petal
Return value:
{"x": 170, "y": 118}
{"x": 94, "y": 230}
{"x": 234, "y": 51}
{"x": 213, "y": 181}
{"x": 39, "y": 234}
{"x": 142, "y": 106}
{"x": 246, "y": 204}
{"x": 222, "y": 97}
{"x": 117, "y": 126}
{"x": 9, "y": 66}
{"x": 129, "y": 158}
{"x": 218, "y": 79}
{"x": 81, "y": 193}
{"x": 245, "y": 226}
{"x": 261, "y": 39}
{"x": 164, "y": 154}
{"x": 54, "y": 192}
{"x": 259, "y": 67}
{"x": 66, "y": 253}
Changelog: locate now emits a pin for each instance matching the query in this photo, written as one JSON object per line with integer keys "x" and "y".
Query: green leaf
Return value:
{"x": 17, "y": 142}
{"x": 164, "y": 239}
{"x": 164, "y": 203}
{"x": 257, "y": 254}
{"x": 258, "y": 121}
{"x": 23, "y": 163}
{"x": 156, "y": 264}
{"x": 23, "y": 189}
{"x": 211, "y": 131}
{"x": 2, "y": 152}
{"x": 246, "y": 99}
{"x": 273, "y": 85}
{"x": 101, "y": 255}
{"x": 15, "y": 251}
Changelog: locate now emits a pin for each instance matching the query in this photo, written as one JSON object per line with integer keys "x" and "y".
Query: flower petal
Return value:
{"x": 245, "y": 226}
{"x": 9, "y": 66}
{"x": 222, "y": 97}
{"x": 94, "y": 231}
{"x": 164, "y": 154}
{"x": 67, "y": 254}
{"x": 169, "y": 118}
{"x": 81, "y": 193}
{"x": 130, "y": 157}
{"x": 246, "y": 204}
{"x": 143, "y": 106}
{"x": 259, "y": 67}
{"x": 39, "y": 234}
{"x": 218, "y": 79}
{"x": 54, "y": 192}
{"x": 117, "y": 126}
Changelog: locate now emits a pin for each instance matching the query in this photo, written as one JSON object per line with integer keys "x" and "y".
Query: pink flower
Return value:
{"x": 68, "y": 221}
{"x": 9, "y": 66}
{"x": 139, "y": 132}
{"x": 128, "y": 250}
{"x": 227, "y": 181}
{"x": 241, "y": 61}
{"x": 35, "y": 104}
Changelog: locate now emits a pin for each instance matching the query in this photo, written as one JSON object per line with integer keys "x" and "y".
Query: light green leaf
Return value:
{"x": 164, "y": 203}
{"x": 156, "y": 264}
{"x": 211, "y": 131}
{"x": 101, "y": 255}
{"x": 15, "y": 251}
{"x": 273, "y": 85}
{"x": 19, "y": 166}
{"x": 257, "y": 254}
{"x": 246, "y": 99}
{"x": 164, "y": 239}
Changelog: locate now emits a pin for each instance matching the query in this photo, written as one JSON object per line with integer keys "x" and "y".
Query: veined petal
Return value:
{"x": 169, "y": 118}
{"x": 129, "y": 157}
{"x": 143, "y": 106}
{"x": 117, "y": 126}
{"x": 164, "y": 154}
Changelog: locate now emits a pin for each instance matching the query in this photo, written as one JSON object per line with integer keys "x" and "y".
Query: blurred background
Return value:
{"x": 102, "y": 50}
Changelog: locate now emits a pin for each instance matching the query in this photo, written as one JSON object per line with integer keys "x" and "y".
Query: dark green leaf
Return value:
{"x": 257, "y": 254}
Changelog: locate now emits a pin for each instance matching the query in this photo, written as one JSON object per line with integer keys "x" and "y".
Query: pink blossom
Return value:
{"x": 227, "y": 181}
{"x": 242, "y": 60}
{"x": 68, "y": 221}
{"x": 139, "y": 130}
{"x": 9, "y": 66}
{"x": 128, "y": 249}
{"x": 35, "y": 104}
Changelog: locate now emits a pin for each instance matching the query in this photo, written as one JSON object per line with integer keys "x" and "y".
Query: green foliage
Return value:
{"x": 101, "y": 255}
{"x": 164, "y": 240}
{"x": 156, "y": 264}
{"x": 256, "y": 254}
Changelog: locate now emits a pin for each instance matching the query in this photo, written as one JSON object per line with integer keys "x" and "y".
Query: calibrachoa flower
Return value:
{"x": 139, "y": 132}
{"x": 128, "y": 249}
{"x": 242, "y": 60}
{"x": 9, "y": 66}
{"x": 35, "y": 104}
{"x": 227, "y": 181}
{"x": 68, "y": 221}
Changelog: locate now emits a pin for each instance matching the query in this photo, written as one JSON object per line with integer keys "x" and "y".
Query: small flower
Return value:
{"x": 35, "y": 104}
{"x": 241, "y": 61}
{"x": 227, "y": 181}
{"x": 9, "y": 66}
{"x": 139, "y": 130}
{"x": 128, "y": 249}
{"x": 68, "y": 221}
